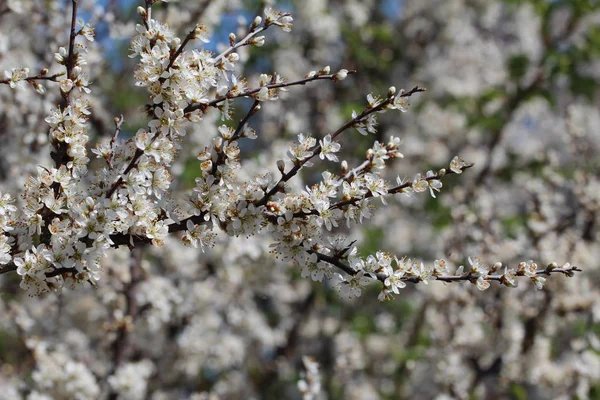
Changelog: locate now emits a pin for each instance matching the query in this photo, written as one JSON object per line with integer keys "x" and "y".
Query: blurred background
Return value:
{"x": 512, "y": 87}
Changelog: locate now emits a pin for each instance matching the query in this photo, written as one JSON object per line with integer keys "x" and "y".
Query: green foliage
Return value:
{"x": 517, "y": 66}
{"x": 518, "y": 392}
{"x": 440, "y": 214}
{"x": 363, "y": 324}
{"x": 513, "y": 225}
{"x": 373, "y": 238}
{"x": 190, "y": 172}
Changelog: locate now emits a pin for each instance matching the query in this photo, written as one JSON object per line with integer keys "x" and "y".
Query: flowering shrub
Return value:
{"x": 117, "y": 219}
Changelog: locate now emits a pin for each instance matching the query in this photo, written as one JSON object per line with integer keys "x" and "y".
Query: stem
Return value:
{"x": 189, "y": 37}
{"x": 240, "y": 43}
{"x": 70, "y": 57}
{"x": 471, "y": 277}
{"x": 221, "y": 157}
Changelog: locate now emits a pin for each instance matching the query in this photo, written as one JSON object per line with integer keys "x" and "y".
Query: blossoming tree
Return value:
{"x": 109, "y": 219}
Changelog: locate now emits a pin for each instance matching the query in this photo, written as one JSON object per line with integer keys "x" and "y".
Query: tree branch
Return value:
{"x": 250, "y": 93}
{"x": 298, "y": 165}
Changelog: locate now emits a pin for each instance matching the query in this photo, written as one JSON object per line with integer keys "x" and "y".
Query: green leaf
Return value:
{"x": 518, "y": 392}
{"x": 518, "y": 65}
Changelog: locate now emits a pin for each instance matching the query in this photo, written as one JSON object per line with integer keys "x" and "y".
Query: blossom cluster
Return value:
{"x": 69, "y": 222}
{"x": 223, "y": 318}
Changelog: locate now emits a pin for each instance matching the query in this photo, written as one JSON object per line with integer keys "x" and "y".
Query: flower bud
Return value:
{"x": 326, "y": 70}
{"x": 232, "y": 38}
{"x": 142, "y": 12}
{"x": 344, "y": 167}
{"x": 259, "y": 41}
{"x": 341, "y": 75}
{"x": 391, "y": 91}
{"x": 280, "y": 165}
{"x": 39, "y": 88}
{"x": 217, "y": 143}
{"x": 263, "y": 80}
{"x": 257, "y": 21}
{"x": 496, "y": 267}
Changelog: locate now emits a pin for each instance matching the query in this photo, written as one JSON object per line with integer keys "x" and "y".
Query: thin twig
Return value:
{"x": 244, "y": 42}
{"x": 191, "y": 34}
{"x": 30, "y": 79}
{"x": 471, "y": 277}
{"x": 118, "y": 124}
{"x": 240, "y": 128}
{"x": 250, "y": 93}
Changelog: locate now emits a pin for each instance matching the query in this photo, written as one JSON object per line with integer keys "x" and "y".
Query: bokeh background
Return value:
{"x": 512, "y": 87}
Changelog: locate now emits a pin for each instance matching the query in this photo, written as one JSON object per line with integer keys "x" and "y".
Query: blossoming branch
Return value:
{"x": 72, "y": 217}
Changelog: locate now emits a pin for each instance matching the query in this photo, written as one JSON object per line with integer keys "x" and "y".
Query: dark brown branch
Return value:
{"x": 10, "y": 267}
{"x": 39, "y": 77}
{"x": 236, "y": 135}
{"x": 471, "y": 277}
{"x": 191, "y": 35}
{"x": 71, "y": 55}
{"x": 396, "y": 189}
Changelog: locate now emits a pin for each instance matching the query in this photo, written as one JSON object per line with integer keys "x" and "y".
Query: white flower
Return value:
{"x": 376, "y": 186}
{"x": 198, "y": 235}
{"x": 66, "y": 85}
{"x": 263, "y": 94}
{"x": 16, "y": 77}
{"x": 395, "y": 282}
{"x": 434, "y": 184}
{"x": 301, "y": 150}
{"x": 400, "y": 103}
{"x": 425, "y": 271}
{"x": 509, "y": 277}
{"x": 354, "y": 285}
{"x": 366, "y": 125}
{"x": 482, "y": 284}
{"x": 328, "y": 148}
{"x": 87, "y": 30}
{"x": 477, "y": 266}
{"x": 6, "y": 206}
{"x": 440, "y": 267}
{"x": 419, "y": 184}
{"x": 457, "y": 164}
{"x": 539, "y": 282}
